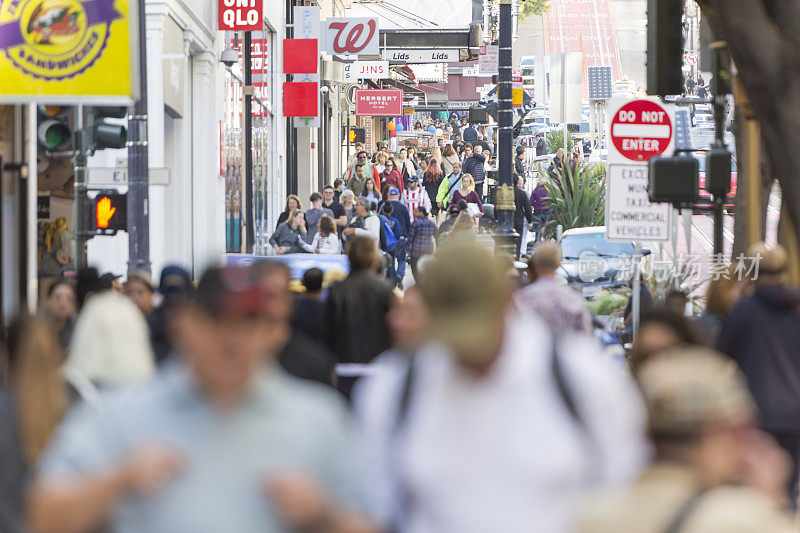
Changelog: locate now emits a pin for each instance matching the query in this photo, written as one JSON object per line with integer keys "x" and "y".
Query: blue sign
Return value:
{"x": 298, "y": 263}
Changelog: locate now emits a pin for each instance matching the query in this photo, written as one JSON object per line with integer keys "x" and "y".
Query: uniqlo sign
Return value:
{"x": 379, "y": 102}
{"x": 241, "y": 15}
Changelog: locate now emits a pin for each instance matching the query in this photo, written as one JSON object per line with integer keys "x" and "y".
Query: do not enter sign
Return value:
{"x": 639, "y": 130}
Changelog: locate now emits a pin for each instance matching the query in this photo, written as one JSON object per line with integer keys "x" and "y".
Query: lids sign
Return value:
{"x": 641, "y": 129}
{"x": 240, "y": 15}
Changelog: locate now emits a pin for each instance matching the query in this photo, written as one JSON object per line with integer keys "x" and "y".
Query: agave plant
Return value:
{"x": 555, "y": 140}
{"x": 577, "y": 199}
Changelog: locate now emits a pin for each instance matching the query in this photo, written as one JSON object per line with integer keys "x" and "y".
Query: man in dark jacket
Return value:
{"x": 541, "y": 146}
{"x": 469, "y": 134}
{"x": 175, "y": 287}
{"x": 762, "y": 334}
{"x": 473, "y": 165}
{"x": 354, "y": 317}
{"x": 519, "y": 162}
{"x": 522, "y": 210}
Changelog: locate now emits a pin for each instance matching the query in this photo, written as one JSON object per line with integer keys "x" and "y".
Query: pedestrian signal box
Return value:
{"x": 109, "y": 212}
{"x": 357, "y": 135}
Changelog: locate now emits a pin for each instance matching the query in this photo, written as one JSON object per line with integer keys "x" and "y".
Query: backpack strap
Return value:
{"x": 405, "y": 394}
{"x": 452, "y": 186}
{"x": 564, "y": 392}
{"x": 685, "y": 511}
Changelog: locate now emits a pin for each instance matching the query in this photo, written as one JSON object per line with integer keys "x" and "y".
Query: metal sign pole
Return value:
{"x": 248, "y": 145}
{"x": 138, "y": 167}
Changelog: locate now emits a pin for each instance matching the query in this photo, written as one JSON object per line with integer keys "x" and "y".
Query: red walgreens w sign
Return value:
{"x": 241, "y": 15}
{"x": 379, "y": 102}
{"x": 351, "y": 36}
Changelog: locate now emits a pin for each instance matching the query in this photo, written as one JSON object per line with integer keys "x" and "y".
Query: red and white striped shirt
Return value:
{"x": 414, "y": 198}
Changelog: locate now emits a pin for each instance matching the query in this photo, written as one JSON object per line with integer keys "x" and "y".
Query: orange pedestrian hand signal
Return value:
{"x": 104, "y": 212}
{"x": 110, "y": 212}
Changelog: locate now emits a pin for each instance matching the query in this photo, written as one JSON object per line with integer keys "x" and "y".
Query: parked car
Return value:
{"x": 705, "y": 203}
{"x": 592, "y": 263}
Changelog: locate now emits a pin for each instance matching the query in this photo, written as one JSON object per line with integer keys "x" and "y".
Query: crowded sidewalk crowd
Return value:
{"x": 406, "y": 202}
{"x": 234, "y": 405}
{"x": 474, "y": 400}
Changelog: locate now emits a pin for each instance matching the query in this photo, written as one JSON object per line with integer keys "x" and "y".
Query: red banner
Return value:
{"x": 300, "y": 98}
{"x": 300, "y": 56}
{"x": 379, "y": 102}
{"x": 240, "y": 15}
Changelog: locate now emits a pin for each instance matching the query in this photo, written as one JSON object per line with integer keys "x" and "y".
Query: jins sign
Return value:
{"x": 240, "y": 15}
{"x": 366, "y": 70}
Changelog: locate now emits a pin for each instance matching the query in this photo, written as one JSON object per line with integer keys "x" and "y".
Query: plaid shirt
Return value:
{"x": 420, "y": 239}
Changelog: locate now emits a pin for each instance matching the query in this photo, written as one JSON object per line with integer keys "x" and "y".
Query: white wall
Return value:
{"x": 186, "y": 217}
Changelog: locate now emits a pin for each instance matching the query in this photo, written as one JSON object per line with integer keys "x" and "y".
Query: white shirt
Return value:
{"x": 501, "y": 453}
{"x": 322, "y": 245}
{"x": 414, "y": 198}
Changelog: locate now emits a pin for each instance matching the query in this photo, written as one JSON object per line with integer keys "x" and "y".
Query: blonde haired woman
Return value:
{"x": 436, "y": 153}
{"x": 468, "y": 194}
{"x": 110, "y": 346}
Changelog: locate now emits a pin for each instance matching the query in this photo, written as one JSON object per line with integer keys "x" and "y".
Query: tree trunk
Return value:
{"x": 741, "y": 238}
{"x": 763, "y": 37}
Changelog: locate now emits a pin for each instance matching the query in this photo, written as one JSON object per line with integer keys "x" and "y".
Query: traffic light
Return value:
{"x": 357, "y": 135}
{"x": 54, "y": 135}
{"x": 718, "y": 171}
{"x": 478, "y": 115}
{"x": 673, "y": 179}
{"x": 53, "y": 130}
{"x": 105, "y": 134}
{"x": 664, "y": 47}
{"x": 109, "y": 212}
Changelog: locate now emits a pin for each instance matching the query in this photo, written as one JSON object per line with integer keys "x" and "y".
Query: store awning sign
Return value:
{"x": 68, "y": 50}
{"x": 379, "y": 102}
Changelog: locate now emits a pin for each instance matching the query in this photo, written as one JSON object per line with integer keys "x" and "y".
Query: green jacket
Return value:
{"x": 442, "y": 196}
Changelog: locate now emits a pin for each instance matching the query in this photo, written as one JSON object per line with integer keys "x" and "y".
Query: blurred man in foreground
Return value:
{"x": 298, "y": 354}
{"x": 224, "y": 442}
{"x": 471, "y": 434}
{"x": 713, "y": 471}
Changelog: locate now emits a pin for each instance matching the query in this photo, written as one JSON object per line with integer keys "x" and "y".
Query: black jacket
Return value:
{"x": 354, "y": 317}
{"x": 522, "y": 207}
{"x": 762, "y": 334}
{"x": 306, "y": 358}
{"x": 307, "y": 317}
{"x": 519, "y": 167}
{"x": 541, "y": 147}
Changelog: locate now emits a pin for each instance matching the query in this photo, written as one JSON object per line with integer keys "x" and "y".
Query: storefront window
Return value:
{"x": 232, "y": 142}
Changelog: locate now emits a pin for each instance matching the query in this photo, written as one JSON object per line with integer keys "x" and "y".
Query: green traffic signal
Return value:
{"x": 53, "y": 134}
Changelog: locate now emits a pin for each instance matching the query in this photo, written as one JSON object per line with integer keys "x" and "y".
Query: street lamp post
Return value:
{"x": 505, "y": 236}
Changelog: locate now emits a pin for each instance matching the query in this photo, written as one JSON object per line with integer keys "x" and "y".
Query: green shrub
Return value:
{"x": 607, "y": 303}
{"x": 576, "y": 201}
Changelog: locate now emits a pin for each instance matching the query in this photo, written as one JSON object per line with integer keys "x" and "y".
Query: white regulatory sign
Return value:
{"x": 629, "y": 213}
